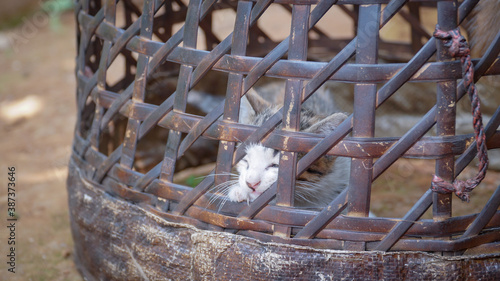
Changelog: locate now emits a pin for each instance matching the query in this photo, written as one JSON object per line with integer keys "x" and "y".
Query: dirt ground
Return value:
{"x": 37, "y": 116}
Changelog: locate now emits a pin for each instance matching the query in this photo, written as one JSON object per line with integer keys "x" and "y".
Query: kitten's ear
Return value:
{"x": 327, "y": 125}
{"x": 246, "y": 111}
{"x": 258, "y": 103}
{"x": 251, "y": 105}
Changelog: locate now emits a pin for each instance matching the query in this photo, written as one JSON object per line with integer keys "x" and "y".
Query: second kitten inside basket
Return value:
{"x": 258, "y": 170}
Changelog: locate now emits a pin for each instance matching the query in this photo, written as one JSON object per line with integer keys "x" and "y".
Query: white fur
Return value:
{"x": 257, "y": 168}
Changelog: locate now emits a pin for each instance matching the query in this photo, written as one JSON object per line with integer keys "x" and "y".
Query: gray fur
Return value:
{"x": 327, "y": 177}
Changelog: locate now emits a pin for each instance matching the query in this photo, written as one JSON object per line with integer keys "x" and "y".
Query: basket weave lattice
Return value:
{"x": 137, "y": 64}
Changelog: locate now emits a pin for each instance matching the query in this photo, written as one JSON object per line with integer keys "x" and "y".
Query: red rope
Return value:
{"x": 458, "y": 47}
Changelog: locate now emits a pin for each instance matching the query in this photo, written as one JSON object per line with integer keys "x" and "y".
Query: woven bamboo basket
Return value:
{"x": 139, "y": 62}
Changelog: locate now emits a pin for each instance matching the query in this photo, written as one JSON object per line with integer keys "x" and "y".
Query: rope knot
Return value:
{"x": 460, "y": 188}
{"x": 458, "y": 47}
{"x": 454, "y": 41}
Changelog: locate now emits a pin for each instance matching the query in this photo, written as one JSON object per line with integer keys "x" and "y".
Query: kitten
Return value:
{"x": 258, "y": 170}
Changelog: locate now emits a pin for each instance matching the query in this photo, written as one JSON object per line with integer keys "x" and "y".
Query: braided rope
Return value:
{"x": 458, "y": 47}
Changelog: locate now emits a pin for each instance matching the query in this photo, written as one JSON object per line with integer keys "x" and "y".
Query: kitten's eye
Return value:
{"x": 272, "y": 166}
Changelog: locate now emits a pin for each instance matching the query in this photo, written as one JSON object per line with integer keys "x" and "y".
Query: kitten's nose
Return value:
{"x": 253, "y": 186}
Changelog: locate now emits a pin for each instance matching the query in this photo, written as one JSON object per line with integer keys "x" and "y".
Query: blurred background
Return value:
{"x": 37, "y": 116}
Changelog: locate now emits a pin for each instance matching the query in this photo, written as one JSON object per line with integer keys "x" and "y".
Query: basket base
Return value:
{"x": 118, "y": 240}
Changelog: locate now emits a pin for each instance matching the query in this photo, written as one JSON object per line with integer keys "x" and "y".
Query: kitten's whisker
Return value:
{"x": 300, "y": 196}
{"x": 214, "y": 196}
{"x": 212, "y": 200}
{"x": 309, "y": 188}
{"x": 222, "y": 203}
{"x": 220, "y": 191}
{"x": 231, "y": 175}
{"x": 224, "y": 191}
{"x": 222, "y": 185}
{"x": 306, "y": 191}
{"x": 304, "y": 198}
{"x": 222, "y": 174}
{"x": 308, "y": 183}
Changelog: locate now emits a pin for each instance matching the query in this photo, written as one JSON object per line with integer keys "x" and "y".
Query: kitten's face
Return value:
{"x": 258, "y": 170}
